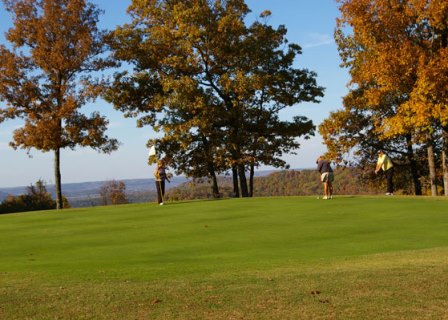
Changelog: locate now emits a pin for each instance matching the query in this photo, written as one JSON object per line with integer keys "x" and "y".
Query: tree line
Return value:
{"x": 36, "y": 198}
{"x": 348, "y": 181}
{"x": 212, "y": 85}
{"x": 397, "y": 56}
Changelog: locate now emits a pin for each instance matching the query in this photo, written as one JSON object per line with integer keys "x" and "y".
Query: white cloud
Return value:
{"x": 313, "y": 40}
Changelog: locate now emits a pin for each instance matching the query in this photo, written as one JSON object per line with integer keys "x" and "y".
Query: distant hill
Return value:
{"x": 293, "y": 182}
{"x": 91, "y": 188}
{"x": 3, "y": 195}
{"x": 84, "y": 194}
{"x": 87, "y": 193}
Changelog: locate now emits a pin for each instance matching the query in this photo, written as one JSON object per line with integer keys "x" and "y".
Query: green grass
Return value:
{"x": 261, "y": 258}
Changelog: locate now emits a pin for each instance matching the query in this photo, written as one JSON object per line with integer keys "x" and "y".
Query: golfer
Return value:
{"x": 385, "y": 163}
{"x": 326, "y": 176}
{"x": 160, "y": 177}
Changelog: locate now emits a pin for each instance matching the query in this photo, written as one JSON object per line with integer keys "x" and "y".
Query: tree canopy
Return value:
{"x": 211, "y": 85}
{"x": 46, "y": 77}
{"x": 393, "y": 50}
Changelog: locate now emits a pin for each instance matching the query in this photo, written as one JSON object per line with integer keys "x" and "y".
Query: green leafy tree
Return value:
{"x": 208, "y": 82}
{"x": 46, "y": 77}
{"x": 36, "y": 198}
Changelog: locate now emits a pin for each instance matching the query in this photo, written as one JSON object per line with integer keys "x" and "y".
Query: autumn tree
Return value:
{"x": 113, "y": 192}
{"x": 393, "y": 49}
{"x": 208, "y": 82}
{"x": 351, "y": 139}
{"x": 46, "y": 77}
{"x": 427, "y": 106}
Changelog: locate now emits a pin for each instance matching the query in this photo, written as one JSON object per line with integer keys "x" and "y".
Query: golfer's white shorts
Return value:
{"x": 327, "y": 177}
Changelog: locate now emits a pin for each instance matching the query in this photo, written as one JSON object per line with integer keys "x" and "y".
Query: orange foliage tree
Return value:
{"x": 396, "y": 52}
{"x": 113, "y": 192}
{"x": 45, "y": 78}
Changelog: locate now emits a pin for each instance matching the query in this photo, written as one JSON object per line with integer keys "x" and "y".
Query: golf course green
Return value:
{"x": 261, "y": 258}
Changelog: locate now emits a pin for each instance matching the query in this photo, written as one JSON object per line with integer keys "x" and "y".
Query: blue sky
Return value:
{"x": 310, "y": 24}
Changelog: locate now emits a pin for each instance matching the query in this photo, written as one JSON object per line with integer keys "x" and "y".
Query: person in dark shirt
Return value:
{"x": 326, "y": 176}
{"x": 161, "y": 176}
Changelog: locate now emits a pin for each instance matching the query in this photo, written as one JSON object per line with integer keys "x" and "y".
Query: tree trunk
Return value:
{"x": 251, "y": 180}
{"x": 445, "y": 172}
{"x": 57, "y": 151}
{"x": 215, "y": 188}
{"x": 211, "y": 167}
{"x": 414, "y": 167}
{"x": 243, "y": 181}
{"x": 236, "y": 190}
{"x": 57, "y": 178}
{"x": 432, "y": 169}
{"x": 445, "y": 160}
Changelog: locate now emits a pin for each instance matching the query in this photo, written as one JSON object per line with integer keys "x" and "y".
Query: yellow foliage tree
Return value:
{"x": 398, "y": 49}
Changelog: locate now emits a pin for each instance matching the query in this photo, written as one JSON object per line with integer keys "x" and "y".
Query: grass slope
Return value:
{"x": 261, "y": 258}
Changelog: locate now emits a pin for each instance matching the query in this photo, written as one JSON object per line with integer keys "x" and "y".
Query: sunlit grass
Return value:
{"x": 262, "y": 258}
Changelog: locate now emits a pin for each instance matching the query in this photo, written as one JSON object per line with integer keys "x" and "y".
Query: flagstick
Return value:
{"x": 160, "y": 188}
{"x": 153, "y": 152}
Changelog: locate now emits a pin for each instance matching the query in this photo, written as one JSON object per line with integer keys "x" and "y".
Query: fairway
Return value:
{"x": 260, "y": 258}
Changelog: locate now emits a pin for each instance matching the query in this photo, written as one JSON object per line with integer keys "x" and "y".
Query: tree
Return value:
{"x": 351, "y": 138}
{"x": 207, "y": 82}
{"x": 46, "y": 77}
{"x": 113, "y": 192}
{"x": 36, "y": 198}
{"x": 393, "y": 49}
